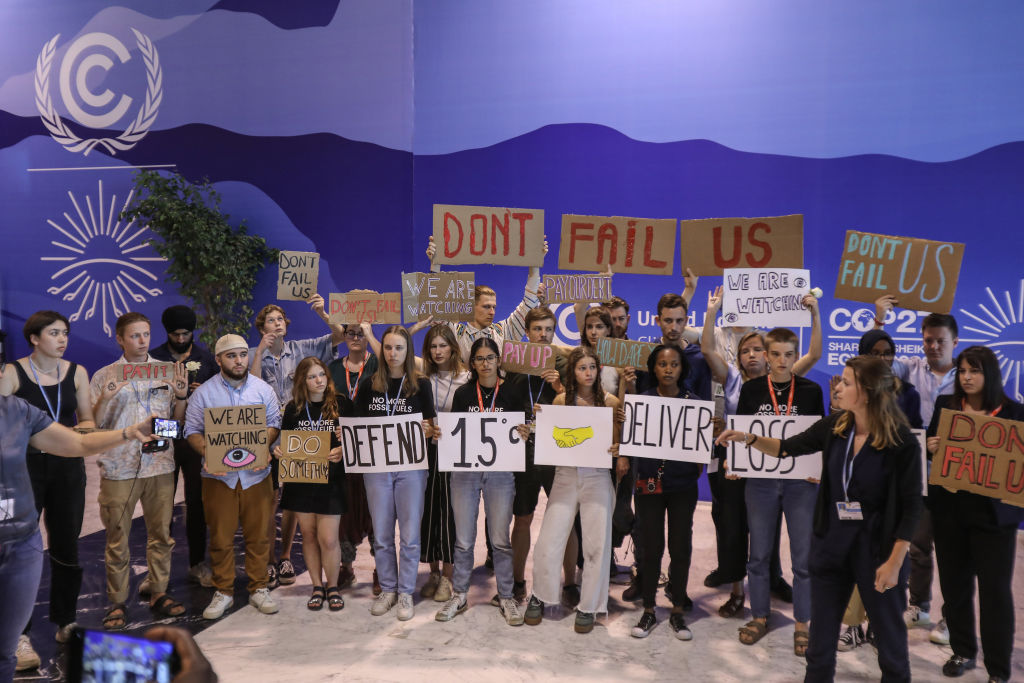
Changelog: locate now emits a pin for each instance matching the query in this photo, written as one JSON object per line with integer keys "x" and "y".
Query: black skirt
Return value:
{"x": 321, "y": 499}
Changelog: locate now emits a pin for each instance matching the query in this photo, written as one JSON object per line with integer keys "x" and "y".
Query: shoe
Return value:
{"x": 584, "y": 622}
{"x": 915, "y": 616}
{"x": 534, "y": 612}
{"x": 733, "y": 607}
{"x": 286, "y": 573}
{"x": 678, "y": 624}
{"x": 668, "y": 591}
{"x": 444, "y": 590}
{"x": 406, "y": 610}
{"x": 384, "y": 602}
{"x": 940, "y": 634}
{"x": 430, "y": 587}
{"x": 662, "y": 579}
{"x": 570, "y": 595}
{"x": 346, "y": 577}
{"x": 782, "y": 590}
{"x": 217, "y": 606}
{"x": 852, "y": 638}
{"x": 455, "y": 606}
{"x": 376, "y": 584}
{"x": 272, "y": 579}
{"x": 687, "y": 603}
{"x": 145, "y": 588}
{"x": 519, "y": 590}
{"x": 262, "y": 600}
{"x": 644, "y": 627}
{"x": 957, "y": 665}
{"x": 996, "y": 679}
{"x": 495, "y": 601}
{"x": 201, "y": 574}
{"x": 632, "y": 592}
{"x": 510, "y": 610}
{"x": 64, "y": 632}
{"x": 713, "y": 580}
{"x": 26, "y": 655}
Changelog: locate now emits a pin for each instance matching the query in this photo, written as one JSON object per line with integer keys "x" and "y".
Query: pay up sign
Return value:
{"x": 667, "y": 429}
{"x": 297, "y": 273}
{"x": 304, "y": 456}
{"x": 236, "y": 438}
{"x": 486, "y": 234}
{"x": 625, "y": 245}
{"x": 527, "y": 358}
{"x": 710, "y": 245}
{"x": 478, "y": 442}
{"x": 446, "y": 296}
{"x": 765, "y": 297}
{"x": 157, "y": 371}
{"x": 383, "y": 444}
{"x": 365, "y": 306}
{"x": 982, "y": 454}
{"x": 750, "y": 463}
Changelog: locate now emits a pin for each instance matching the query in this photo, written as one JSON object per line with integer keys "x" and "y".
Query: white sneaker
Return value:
{"x": 940, "y": 634}
{"x": 405, "y": 607}
{"x": 851, "y": 639}
{"x": 201, "y": 574}
{"x": 510, "y": 610}
{"x": 26, "y": 655}
{"x": 384, "y": 602}
{"x": 444, "y": 590}
{"x": 263, "y": 601}
{"x": 455, "y": 606}
{"x": 63, "y": 634}
{"x": 915, "y": 616}
{"x": 217, "y": 606}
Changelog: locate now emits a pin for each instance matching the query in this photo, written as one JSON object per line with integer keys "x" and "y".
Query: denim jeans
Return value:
{"x": 498, "y": 489}
{"x": 796, "y": 498}
{"x": 396, "y": 496}
{"x": 21, "y": 566}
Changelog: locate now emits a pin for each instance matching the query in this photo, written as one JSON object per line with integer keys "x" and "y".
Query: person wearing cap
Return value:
{"x": 180, "y": 347}
{"x": 242, "y": 496}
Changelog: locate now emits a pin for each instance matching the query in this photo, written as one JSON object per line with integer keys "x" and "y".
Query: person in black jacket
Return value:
{"x": 868, "y": 505}
{"x": 976, "y": 536}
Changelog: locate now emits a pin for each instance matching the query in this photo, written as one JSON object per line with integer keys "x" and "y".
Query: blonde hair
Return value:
{"x": 885, "y": 419}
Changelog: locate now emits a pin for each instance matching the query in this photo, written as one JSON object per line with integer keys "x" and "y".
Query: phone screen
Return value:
{"x": 165, "y": 428}
{"x": 116, "y": 657}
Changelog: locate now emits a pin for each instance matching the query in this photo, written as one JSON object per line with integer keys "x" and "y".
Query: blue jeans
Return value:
{"x": 796, "y": 498}
{"x": 21, "y": 566}
{"x": 396, "y": 496}
{"x": 498, "y": 489}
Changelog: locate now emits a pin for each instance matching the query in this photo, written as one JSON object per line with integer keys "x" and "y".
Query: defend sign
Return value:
{"x": 479, "y": 442}
{"x": 527, "y": 358}
{"x": 710, "y": 245}
{"x": 485, "y": 234}
{"x": 625, "y": 245}
{"x": 297, "y": 274}
{"x": 750, "y": 463}
{"x": 667, "y": 429}
{"x": 765, "y": 297}
{"x": 236, "y": 438}
{"x": 364, "y": 305}
{"x": 981, "y": 454}
{"x": 383, "y": 444}
{"x": 446, "y": 296}
{"x": 304, "y": 456}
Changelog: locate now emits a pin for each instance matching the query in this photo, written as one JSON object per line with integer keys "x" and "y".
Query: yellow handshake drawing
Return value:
{"x": 566, "y": 437}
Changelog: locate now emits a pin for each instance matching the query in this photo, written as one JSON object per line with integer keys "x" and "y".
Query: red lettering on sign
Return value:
{"x": 986, "y": 429}
{"x": 754, "y": 242}
{"x": 648, "y": 246}
{"x": 630, "y": 244}
{"x": 496, "y": 227}
{"x": 607, "y": 233}
{"x": 1011, "y": 485}
{"x": 575, "y": 235}
{"x": 473, "y": 220}
{"x": 522, "y": 218}
{"x": 737, "y": 236}
{"x": 449, "y": 253}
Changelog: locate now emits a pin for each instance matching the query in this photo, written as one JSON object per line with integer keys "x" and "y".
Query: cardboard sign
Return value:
{"x": 922, "y": 441}
{"x": 163, "y": 372}
{"x": 236, "y": 438}
{"x": 623, "y": 353}
{"x": 667, "y": 429}
{"x": 527, "y": 358}
{"x": 486, "y": 234}
{"x": 481, "y": 442}
{"x": 297, "y": 274}
{"x": 447, "y": 296}
{"x": 750, "y": 463}
{"x": 572, "y": 436}
{"x": 627, "y": 245}
{"x": 981, "y": 454}
{"x": 921, "y": 274}
{"x": 304, "y": 456}
{"x": 572, "y": 289}
{"x": 365, "y": 305}
{"x": 383, "y": 444}
{"x": 710, "y": 245}
{"x": 765, "y": 297}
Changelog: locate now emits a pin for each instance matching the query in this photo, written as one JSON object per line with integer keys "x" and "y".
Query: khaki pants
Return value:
{"x": 117, "y": 501}
{"x": 225, "y": 508}
{"x": 855, "y": 612}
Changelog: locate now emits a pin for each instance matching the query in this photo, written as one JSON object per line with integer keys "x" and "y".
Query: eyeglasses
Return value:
{"x": 881, "y": 354}
{"x": 354, "y": 335}
{"x": 486, "y": 359}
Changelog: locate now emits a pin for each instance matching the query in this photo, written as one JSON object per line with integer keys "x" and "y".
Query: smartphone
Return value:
{"x": 156, "y": 445}
{"x": 104, "y": 656}
{"x": 167, "y": 428}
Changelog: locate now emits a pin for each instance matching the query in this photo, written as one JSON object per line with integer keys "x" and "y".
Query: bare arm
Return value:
{"x": 59, "y": 440}
{"x": 813, "y": 355}
{"x": 431, "y": 251}
{"x": 9, "y": 383}
{"x": 708, "y": 347}
{"x": 84, "y": 397}
{"x": 371, "y": 340}
{"x": 316, "y": 302}
{"x": 198, "y": 443}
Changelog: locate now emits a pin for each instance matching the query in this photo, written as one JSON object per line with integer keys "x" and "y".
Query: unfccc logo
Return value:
{"x": 88, "y": 53}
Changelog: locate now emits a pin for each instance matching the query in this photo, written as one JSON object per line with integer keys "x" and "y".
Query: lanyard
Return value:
{"x": 789, "y": 403}
{"x": 494, "y": 397}
{"x": 392, "y": 405}
{"x": 146, "y": 405}
{"x": 42, "y": 390}
{"x": 352, "y": 391}
{"x": 437, "y": 381}
{"x": 314, "y": 426}
{"x": 529, "y": 387}
{"x": 963, "y": 406}
{"x": 848, "y": 466}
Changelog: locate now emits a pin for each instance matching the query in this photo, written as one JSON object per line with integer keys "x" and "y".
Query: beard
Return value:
{"x": 231, "y": 374}
{"x": 179, "y": 348}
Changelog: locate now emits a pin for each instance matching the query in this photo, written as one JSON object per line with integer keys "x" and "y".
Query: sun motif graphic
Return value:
{"x": 105, "y": 267}
{"x": 1002, "y": 330}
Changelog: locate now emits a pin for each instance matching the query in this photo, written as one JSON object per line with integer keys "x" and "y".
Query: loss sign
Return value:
{"x": 481, "y": 442}
{"x": 750, "y": 463}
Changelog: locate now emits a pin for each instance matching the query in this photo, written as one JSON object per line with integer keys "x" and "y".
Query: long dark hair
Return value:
{"x": 982, "y": 359}
{"x": 571, "y": 388}
{"x": 477, "y": 345}
{"x": 885, "y": 419}
{"x": 599, "y": 312}
{"x": 300, "y": 394}
{"x": 412, "y": 375}
{"x": 684, "y": 365}
{"x": 445, "y": 332}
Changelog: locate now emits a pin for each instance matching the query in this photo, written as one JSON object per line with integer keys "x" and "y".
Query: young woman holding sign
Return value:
{"x": 315, "y": 406}
{"x": 597, "y": 324}
{"x": 976, "y": 536}
{"x": 397, "y": 388}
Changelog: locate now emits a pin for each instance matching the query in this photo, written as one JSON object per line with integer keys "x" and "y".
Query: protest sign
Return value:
{"x": 921, "y": 274}
{"x": 527, "y": 358}
{"x": 481, "y": 442}
{"x": 750, "y": 463}
{"x": 365, "y": 306}
{"x": 625, "y": 245}
{"x": 304, "y": 456}
{"x": 486, "y": 234}
{"x": 576, "y": 288}
{"x": 163, "y": 372}
{"x": 710, "y": 245}
{"x": 623, "y": 353}
{"x": 236, "y": 438}
{"x": 922, "y": 441}
{"x": 383, "y": 444}
{"x": 297, "y": 274}
{"x": 765, "y": 297}
{"x": 573, "y": 436}
{"x": 981, "y": 454}
{"x": 667, "y": 428}
{"x": 447, "y": 296}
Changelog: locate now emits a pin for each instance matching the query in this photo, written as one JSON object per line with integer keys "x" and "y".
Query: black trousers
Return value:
{"x": 922, "y": 565}
{"x": 651, "y": 511}
{"x": 968, "y": 546}
{"x": 729, "y": 514}
{"x": 190, "y": 464}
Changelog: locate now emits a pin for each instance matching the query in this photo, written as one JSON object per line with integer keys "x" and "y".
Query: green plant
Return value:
{"x": 214, "y": 265}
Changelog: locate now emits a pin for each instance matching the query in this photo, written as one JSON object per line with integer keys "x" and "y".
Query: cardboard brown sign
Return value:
{"x": 297, "y": 274}
{"x": 365, "y": 305}
{"x": 447, "y": 296}
{"x": 304, "y": 456}
{"x": 573, "y": 288}
{"x": 982, "y": 454}
{"x": 710, "y": 245}
{"x": 921, "y": 274}
{"x": 163, "y": 372}
{"x": 626, "y": 245}
{"x": 623, "y": 353}
{"x": 236, "y": 438}
{"x": 488, "y": 234}
{"x": 527, "y": 358}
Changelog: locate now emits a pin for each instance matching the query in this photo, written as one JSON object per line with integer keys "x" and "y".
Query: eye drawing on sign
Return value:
{"x": 1003, "y": 332}
{"x": 238, "y": 457}
{"x": 566, "y": 437}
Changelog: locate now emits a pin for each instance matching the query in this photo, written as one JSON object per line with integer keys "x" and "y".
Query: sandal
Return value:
{"x": 753, "y": 631}
{"x": 116, "y": 618}
{"x": 334, "y": 599}
{"x": 316, "y": 600}
{"x": 733, "y": 607}
{"x": 166, "y": 606}
{"x": 801, "y": 639}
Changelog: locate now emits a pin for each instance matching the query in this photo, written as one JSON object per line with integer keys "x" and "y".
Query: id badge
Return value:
{"x": 849, "y": 511}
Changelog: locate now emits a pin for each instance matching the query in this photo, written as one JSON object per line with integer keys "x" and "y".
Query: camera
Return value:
{"x": 104, "y": 656}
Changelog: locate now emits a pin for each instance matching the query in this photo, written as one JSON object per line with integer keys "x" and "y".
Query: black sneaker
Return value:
{"x": 519, "y": 590}
{"x": 571, "y": 595}
{"x": 633, "y": 591}
{"x": 678, "y": 624}
{"x": 534, "y": 611}
{"x": 687, "y": 603}
{"x": 714, "y": 579}
{"x": 272, "y": 580}
{"x": 286, "y": 573}
{"x": 957, "y": 665}
{"x": 644, "y": 627}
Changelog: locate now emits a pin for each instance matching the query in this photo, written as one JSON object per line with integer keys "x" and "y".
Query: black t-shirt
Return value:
{"x": 339, "y": 373}
{"x": 296, "y": 417}
{"x": 534, "y": 389}
{"x": 371, "y": 403}
{"x": 756, "y": 400}
{"x": 510, "y": 397}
